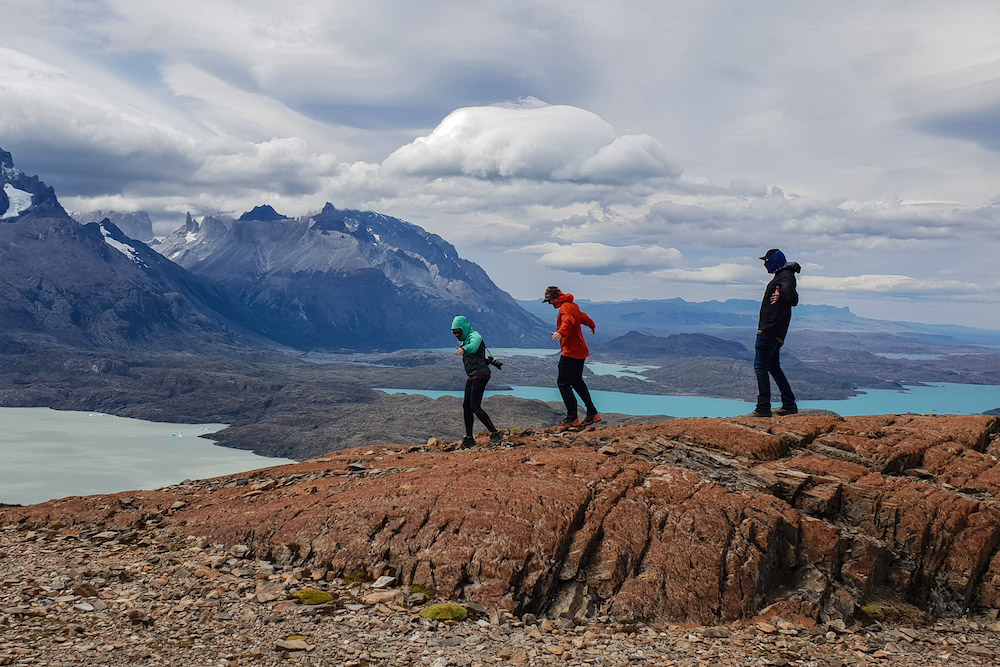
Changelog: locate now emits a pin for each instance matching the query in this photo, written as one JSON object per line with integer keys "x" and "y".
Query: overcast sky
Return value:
{"x": 641, "y": 149}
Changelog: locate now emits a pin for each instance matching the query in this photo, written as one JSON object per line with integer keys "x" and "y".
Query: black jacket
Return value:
{"x": 774, "y": 318}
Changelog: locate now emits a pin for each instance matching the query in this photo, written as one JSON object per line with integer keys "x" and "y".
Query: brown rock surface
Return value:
{"x": 800, "y": 518}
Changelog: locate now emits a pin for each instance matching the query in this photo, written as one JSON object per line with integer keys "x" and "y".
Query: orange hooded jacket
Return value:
{"x": 568, "y": 324}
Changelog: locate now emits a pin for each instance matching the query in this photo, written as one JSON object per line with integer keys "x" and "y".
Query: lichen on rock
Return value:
{"x": 312, "y": 596}
{"x": 445, "y": 611}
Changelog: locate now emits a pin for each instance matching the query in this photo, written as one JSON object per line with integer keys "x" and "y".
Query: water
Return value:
{"x": 938, "y": 398}
{"x": 619, "y": 370}
{"x": 909, "y": 357}
{"x": 505, "y": 352}
{"x": 53, "y": 453}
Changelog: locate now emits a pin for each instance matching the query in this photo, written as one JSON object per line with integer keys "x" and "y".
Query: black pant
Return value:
{"x": 766, "y": 362}
{"x": 570, "y": 378}
{"x": 472, "y": 404}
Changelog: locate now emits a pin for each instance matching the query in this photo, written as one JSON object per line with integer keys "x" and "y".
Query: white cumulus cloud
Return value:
{"x": 531, "y": 140}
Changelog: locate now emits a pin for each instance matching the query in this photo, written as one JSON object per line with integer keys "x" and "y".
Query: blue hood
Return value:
{"x": 775, "y": 261}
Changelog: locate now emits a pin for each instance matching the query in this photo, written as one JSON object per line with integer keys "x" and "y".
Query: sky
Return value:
{"x": 645, "y": 149}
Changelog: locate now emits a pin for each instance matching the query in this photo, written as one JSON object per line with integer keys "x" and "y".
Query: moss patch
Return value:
{"x": 312, "y": 596}
{"x": 445, "y": 612}
{"x": 359, "y": 577}
{"x": 426, "y": 590}
{"x": 891, "y": 609}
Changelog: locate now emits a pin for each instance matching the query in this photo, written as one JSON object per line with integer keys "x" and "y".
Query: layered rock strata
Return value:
{"x": 701, "y": 520}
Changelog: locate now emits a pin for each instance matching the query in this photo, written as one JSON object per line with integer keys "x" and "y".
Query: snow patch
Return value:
{"x": 123, "y": 248}
{"x": 20, "y": 201}
{"x": 190, "y": 237}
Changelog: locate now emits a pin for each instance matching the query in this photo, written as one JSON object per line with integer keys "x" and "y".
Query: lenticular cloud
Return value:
{"x": 531, "y": 141}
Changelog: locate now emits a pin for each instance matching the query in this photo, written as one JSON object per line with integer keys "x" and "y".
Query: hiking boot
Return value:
{"x": 591, "y": 418}
{"x": 758, "y": 413}
{"x": 570, "y": 421}
{"x": 793, "y": 410}
{"x": 496, "y": 437}
{"x": 467, "y": 441}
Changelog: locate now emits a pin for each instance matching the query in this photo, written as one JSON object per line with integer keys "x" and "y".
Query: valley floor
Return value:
{"x": 146, "y": 597}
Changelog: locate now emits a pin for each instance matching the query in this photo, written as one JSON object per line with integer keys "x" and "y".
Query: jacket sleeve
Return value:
{"x": 788, "y": 295}
{"x": 472, "y": 346}
{"x": 586, "y": 321}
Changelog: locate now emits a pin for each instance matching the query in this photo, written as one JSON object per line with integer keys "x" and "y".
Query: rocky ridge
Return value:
{"x": 697, "y": 520}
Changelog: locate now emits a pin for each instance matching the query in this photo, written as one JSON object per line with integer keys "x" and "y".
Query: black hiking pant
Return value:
{"x": 570, "y": 379}
{"x": 472, "y": 404}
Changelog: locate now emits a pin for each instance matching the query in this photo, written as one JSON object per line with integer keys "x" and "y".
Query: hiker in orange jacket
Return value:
{"x": 569, "y": 333}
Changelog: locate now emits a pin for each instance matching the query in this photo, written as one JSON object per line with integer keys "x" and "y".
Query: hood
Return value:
{"x": 791, "y": 266}
{"x": 564, "y": 298}
{"x": 773, "y": 263}
{"x": 461, "y": 323}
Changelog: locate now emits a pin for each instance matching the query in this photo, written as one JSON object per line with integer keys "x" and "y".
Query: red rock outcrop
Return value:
{"x": 701, "y": 520}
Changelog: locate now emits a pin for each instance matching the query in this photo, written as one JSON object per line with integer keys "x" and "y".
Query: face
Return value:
{"x": 458, "y": 333}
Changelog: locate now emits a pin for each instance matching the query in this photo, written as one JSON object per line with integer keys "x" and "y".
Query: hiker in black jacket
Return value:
{"x": 775, "y": 315}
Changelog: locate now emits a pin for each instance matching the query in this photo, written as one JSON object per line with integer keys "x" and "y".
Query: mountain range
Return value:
{"x": 347, "y": 279}
{"x": 335, "y": 280}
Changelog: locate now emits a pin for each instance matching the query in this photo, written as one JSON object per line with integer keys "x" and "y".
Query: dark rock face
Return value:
{"x": 699, "y": 520}
{"x": 90, "y": 285}
{"x": 31, "y": 197}
{"x": 263, "y": 214}
{"x": 134, "y": 224}
{"x": 349, "y": 279}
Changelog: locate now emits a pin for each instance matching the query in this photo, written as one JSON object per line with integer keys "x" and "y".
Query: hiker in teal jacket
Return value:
{"x": 473, "y": 352}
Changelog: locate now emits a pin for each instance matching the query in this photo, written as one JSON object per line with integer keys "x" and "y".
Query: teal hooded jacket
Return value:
{"x": 472, "y": 343}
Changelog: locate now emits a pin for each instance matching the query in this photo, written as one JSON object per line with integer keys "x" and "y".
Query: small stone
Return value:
{"x": 432, "y": 442}
{"x": 380, "y": 596}
{"x": 767, "y": 628}
{"x": 85, "y": 590}
{"x": 293, "y": 645}
{"x": 608, "y": 450}
{"x": 384, "y": 581}
{"x": 715, "y": 633}
{"x": 546, "y": 625}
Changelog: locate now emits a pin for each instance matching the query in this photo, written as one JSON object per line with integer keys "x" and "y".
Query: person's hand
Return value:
{"x": 556, "y": 335}
{"x": 593, "y": 330}
{"x": 776, "y": 295}
{"x": 461, "y": 351}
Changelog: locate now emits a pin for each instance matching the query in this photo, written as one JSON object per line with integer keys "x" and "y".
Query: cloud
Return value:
{"x": 599, "y": 259}
{"x": 534, "y": 141}
{"x": 724, "y": 274}
{"x": 889, "y": 284}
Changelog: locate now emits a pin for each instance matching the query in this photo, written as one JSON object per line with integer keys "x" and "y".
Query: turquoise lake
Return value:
{"x": 57, "y": 453}
{"x": 939, "y": 398}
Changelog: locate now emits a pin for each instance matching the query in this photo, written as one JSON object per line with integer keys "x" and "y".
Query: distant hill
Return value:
{"x": 641, "y": 348}
{"x": 345, "y": 279}
{"x": 737, "y": 319}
